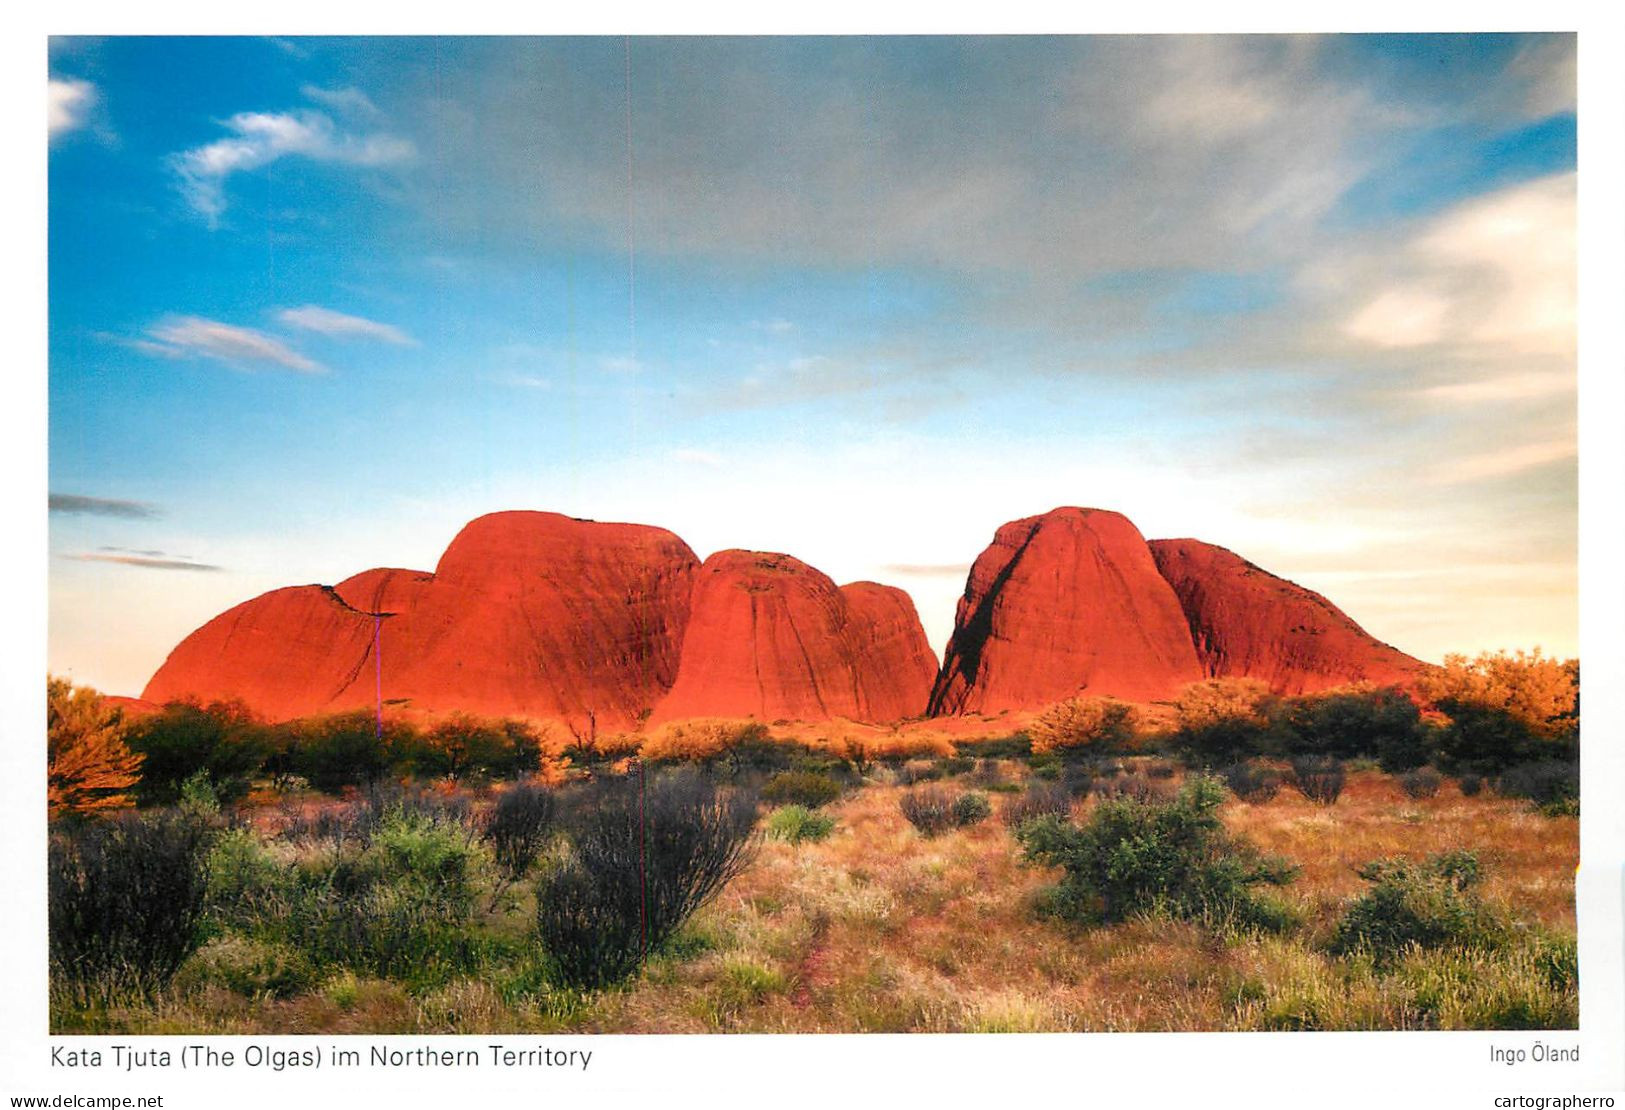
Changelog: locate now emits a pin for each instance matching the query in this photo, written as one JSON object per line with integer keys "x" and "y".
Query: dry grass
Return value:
{"x": 877, "y": 929}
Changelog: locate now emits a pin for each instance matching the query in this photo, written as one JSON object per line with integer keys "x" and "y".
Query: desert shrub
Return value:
{"x": 917, "y": 771}
{"x": 1174, "y": 857}
{"x": 1041, "y": 799}
{"x": 517, "y": 829}
{"x": 1432, "y": 904}
{"x": 463, "y": 745}
{"x": 797, "y": 823}
{"x": 1140, "y": 788}
{"x": 1018, "y": 745}
{"x": 928, "y": 809}
{"x": 971, "y": 809}
{"x": 1553, "y": 785}
{"x": 1078, "y": 779}
{"x": 1319, "y": 778}
{"x": 1084, "y": 724}
{"x": 700, "y": 740}
{"x": 1381, "y": 723}
{"x": 955, "y": 765}
{"x": 1470, "y": 785}
{"x": 221, "y": 739}
{"x": 88, "y": 764}
{"x": 397, "y": 906}
{"x": 1252, "y": 782}
{"x": 348, "y": 749}
{"x": 1423, "y": 782}
{"x": 1504, "y": 710}
{"x": 1160, "y": 769}
{"x": 1223, "y": 720}
{"x": 811, "y": 789}
{"x": 127, "y": 896}
{"x": 643, "y": 860}
{"x": 252, "y": 968}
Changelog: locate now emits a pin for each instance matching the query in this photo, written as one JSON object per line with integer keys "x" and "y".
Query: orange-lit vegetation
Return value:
{"x": 378, "y": 907}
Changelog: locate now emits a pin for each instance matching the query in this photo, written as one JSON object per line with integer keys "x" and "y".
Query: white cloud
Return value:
{"x": 1492, "y": 277}
{"x": 260, "y": 138}
{"x": 325, "y": 321}
{"x": 192, "y": 335}
{"x": 68, "y": 103}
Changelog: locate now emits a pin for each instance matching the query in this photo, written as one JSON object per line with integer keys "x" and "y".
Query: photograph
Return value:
{"x": 553, "y": 535}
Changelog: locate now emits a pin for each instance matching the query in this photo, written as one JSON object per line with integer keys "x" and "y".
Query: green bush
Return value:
{"x": 346, "y": 749}
{"x": 222, "y": 740}
{"x": 971, "y": 809}
{"x": 798, "y": 823}
{"x": 394, "y": 898}
{"x": 1432, "y": 904}
{"x": 1383, "y": 724}
{"x": 811, "y": 789}
{"x": 1173, "y": 857}
{"x": 126, "y": 902}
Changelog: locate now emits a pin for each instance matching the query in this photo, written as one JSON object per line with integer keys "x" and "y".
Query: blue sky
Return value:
{"x": 316, "y": 303}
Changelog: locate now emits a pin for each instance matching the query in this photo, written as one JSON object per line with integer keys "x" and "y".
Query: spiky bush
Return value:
{"x": 1252, "y": 782}
{"x": 1431, "y": 904}
{"x": 516, "y": 829}
{"x": 1173, "y": 857}
{"x": 643, "y": 859}
{"x": 1041, "y": 799}
{"x": 1423, "y": 782}
{"x": 929, "y": 809}
{"x": 127, "y": 896}
{"x": 1319, "y": 778}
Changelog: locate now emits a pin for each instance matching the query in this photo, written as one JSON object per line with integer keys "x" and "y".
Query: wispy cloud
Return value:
{"x": 146, "y": 561}
{"x": 325, "y": 321}
{"x": 183, "y": 336}
{"x": 68, "y": 104}
{"x": 260, "y": 138}
{"x": 1504, "y": 462}
{"x": 348, "y": 101}
{"x": 80, "y": 505}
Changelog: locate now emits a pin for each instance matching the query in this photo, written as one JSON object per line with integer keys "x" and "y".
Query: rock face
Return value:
{"x": 533, "y": 614}
{"x": 1245, "y": 621}
{"x": 770, "y": 637}
{"x": 542, "y": 615}
{"x": 1064, "y": 603}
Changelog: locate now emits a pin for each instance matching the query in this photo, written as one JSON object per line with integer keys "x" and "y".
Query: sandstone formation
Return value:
{"x": 1245, "y": 621}
{"x": 1060, "y": 604}
{"x": 606, "y": 625}
{"x": 770, "y": 637}
{"x": 532, "y": 614}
